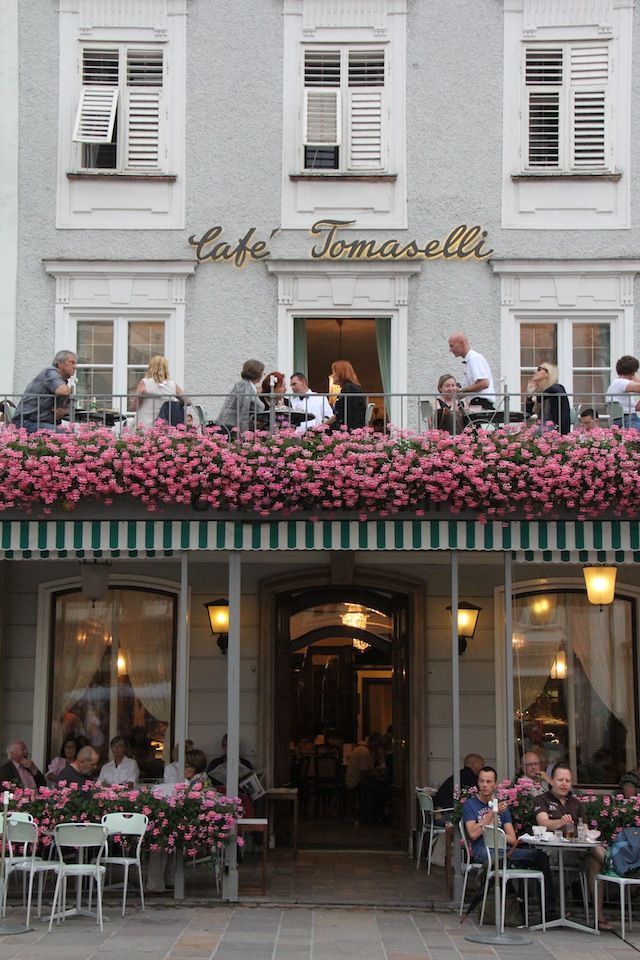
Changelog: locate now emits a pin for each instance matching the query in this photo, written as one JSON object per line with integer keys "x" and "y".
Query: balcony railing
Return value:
{"x": 414, "y": 412}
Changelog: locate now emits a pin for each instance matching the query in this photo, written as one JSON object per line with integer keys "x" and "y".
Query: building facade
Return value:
{"x": 293, "y": 180}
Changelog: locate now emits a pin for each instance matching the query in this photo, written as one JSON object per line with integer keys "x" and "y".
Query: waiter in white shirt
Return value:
{"x": 478, "y": 381}
{"x": 306, "y": 401}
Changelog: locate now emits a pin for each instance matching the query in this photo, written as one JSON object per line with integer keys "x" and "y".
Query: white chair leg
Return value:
{"x": 543, "y": 907}
{"x": 29, "y": 897}
{"x": 464, "y": 891}
{"x": 430, "y": 848}
{"x": 99, "y": 898}
{"x": 629, "y": 904}
{"x": 526, "y": 903}
{"x": 54, "y": 903}
{"x": 419, "y": 848}
{"x": 503, "y": 899}
{"x": 139, "y": 865}
{"x": 125, "y": 882}
{"x": 585, "y": 895}
{"x": 622, "y": 905}
{"x": 595, "y": 903}
{"x": 484, "y": 894}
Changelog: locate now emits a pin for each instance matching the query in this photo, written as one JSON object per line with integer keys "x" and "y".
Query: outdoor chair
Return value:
{"x": 22, "y": 831}
{"x": 468, "y": 864}
{"x": 79, "y": 837}
{"x": 328, "y": 781}
{"x": 495, "y": 840}
{"x": 368, "y": 414}
{"x": 130, "y": 828}
{"x": 427, "y": 414}
{"x": 428, "y": 826}
{"x": 624, "y": 887}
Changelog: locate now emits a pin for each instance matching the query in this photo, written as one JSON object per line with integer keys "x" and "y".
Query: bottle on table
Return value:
{"x": 582, "y": 830}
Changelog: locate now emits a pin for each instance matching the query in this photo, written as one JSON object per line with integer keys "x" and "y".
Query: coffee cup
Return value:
{"x": 539, "y": 831}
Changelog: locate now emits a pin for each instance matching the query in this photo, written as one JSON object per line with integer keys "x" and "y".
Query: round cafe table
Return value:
{"x": 562, "y": 846}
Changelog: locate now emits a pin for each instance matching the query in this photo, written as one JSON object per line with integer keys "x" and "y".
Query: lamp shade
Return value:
{"x": 542, "y": 609}
{"x": 600, "y": 581}
{"x": 467, "y": 623}
{"x": 94, "y": 579}
{"x": 218, "y": 611}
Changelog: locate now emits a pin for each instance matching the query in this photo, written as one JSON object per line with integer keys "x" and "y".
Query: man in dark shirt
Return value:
{"x": 83, "y": 768}
{"x": 443, "y": 798}
{"x": 46, "y": 398}
{"x": 558, "y": 808}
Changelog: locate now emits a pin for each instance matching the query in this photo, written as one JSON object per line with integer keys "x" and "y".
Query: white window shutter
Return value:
{"x": 321, "y": 120}
{"x": 96, "y": 115}
{"x": 543, "y": 77}
{"x": 145, "y": 109}
{"x": 589, "y": 78}
{"x": 365, "y": 129}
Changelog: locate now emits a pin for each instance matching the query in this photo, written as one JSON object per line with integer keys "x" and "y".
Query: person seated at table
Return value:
{"x": 558, "y": 809}
{"x": 443, "y": 797}
{"x": 195, "y": 769}
{"x": 45, "y": 401}
{"x": 20, "y": 770}
{"x": 240, "y": 408}
{"x": 365, "y": 778}
{"x": 623, "y": 390}
{"x": 587, "y": 420}
{"x": 532, "y": 769}
{"x": 350, "y": 409}
{"x": 630, "y": 783}
{"x": 449, "y": 409}
{"x": 68, "y": 752}
{"x": 172, "y": 770}
{"x": 306, "y": 401}
{"x": 273, "y": 391}
{"x": 477, "y": 813}
{"x": 217, "y": 769}
{"x": 548, "y": 398}
{"x": 81, "y": 769}
{"x": 152, "y": 392}
{"x": 123, "y": 769}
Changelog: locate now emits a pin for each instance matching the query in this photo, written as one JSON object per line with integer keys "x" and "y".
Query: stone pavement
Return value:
{"x": 221, "y": 932}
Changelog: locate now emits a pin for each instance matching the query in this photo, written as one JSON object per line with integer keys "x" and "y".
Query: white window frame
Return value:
{"x": 116, "y": 111}
{"x": 344, "y": 96}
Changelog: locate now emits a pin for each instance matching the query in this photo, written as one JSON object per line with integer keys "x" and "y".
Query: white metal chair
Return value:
{"x": 128, "y": 826}
{"x": 428, "y": 414}
{"x": 368, "y": 414}
{"x": 80, "y": 837}
{"x": 495, "y": 840}
{"x": 428, "y": 826}
{"x": 468, "y": 864}
{"x": 24, "y": 832}
{"x": 624, "y": 887}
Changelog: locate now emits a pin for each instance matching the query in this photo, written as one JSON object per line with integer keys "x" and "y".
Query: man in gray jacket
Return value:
{"x": 240, "y": 408}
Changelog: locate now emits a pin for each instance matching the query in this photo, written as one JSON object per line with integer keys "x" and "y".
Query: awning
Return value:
{"x": 564, "y": 541}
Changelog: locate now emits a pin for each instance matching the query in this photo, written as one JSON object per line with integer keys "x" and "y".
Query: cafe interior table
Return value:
{"x": 562, "y": 846}
{"x": 107, "y": 417}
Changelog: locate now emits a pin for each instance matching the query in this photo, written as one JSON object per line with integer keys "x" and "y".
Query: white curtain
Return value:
{"x": 533, "y": 656}
{"x": 82, "y": 636}
{"x": 601, "y": 641}
{"x": 146, "y": 642}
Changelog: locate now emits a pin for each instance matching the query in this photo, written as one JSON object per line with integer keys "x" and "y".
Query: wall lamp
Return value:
{"x": 467, "y": 622}
{"x": 600, "y": 581}
{"x": 218, "y": 611}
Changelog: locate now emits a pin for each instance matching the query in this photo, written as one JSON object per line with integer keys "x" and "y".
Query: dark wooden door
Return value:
{"x": 400, "y": 704}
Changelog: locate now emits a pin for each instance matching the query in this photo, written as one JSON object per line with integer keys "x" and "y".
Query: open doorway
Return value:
{"x": 341, "y": 714}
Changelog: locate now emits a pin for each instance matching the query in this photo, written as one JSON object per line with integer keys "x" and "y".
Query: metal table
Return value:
{"x": 562, "y": 846}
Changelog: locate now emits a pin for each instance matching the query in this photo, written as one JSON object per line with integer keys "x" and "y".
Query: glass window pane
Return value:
{"x": 590, "y": 387}
{"x": 146, "y": 340}
{"x": 113, "y": 673}
{"x": 591, "y": 345}
{"x": 95, "y": 342}
{"x": 94, "y": 382}
{"x": 565, "y": 649}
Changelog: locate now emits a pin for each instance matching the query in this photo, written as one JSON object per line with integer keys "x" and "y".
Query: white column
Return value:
{"x": 508, "y": 665}
{"x": 182, "y": 694}
{"x": 230, "y": 879}
{"x": 455, "y": 711}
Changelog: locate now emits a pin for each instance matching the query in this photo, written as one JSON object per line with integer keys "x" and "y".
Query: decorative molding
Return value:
{"x": 401, "y": 291}
{"x": 329, "y": 14}
{"x": 122, "y": 277}
{"x": 522, "y": 268}
{"x": 137, "y": 14}
{"x": 538, "y": 14}
{"x": 506, "y": 294}
{"x": 626, "y": 290}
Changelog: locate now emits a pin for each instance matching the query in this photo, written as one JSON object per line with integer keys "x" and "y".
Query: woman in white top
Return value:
{"x": 123, "y": 769}
{"x": 153, "y": 390}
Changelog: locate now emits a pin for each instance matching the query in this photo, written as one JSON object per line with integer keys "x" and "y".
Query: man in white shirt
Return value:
{"x": 123, "y": 769}
{"x": 478, "y": 381}
{"x": 625, "y": 389}
{"x": 306, "y": 401}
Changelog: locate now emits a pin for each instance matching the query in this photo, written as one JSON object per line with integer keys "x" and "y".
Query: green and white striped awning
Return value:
{"x": 549, "y": 541}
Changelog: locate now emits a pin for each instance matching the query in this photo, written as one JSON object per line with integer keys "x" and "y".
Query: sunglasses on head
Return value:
{"x": 543, "y": 368}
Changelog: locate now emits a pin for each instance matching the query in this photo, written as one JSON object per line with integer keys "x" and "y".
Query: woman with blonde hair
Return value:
{"x": 153, "y": 391}
{"x": 350, "y": 408}
{"x": 548, "y": 398}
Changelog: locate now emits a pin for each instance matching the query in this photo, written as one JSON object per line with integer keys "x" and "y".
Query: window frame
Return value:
{"x": 122, "y": 110}
{"x": 344, "y": 111}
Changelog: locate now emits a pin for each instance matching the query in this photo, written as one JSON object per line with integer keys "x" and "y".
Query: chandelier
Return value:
{"x": 356, "y": 619}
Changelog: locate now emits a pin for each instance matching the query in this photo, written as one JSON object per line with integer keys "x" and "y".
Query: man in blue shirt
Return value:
{"x": 477, "y": 813}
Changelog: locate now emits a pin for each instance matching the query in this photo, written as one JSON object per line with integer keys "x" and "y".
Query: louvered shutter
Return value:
{"x": 589, "y": 77}
{"x": 321, "y": 120}
{"x": 96, "y": 114}
{"x": 144, "y": 109}
{"x": 366, "y": 80}
{"x": 543, "y": 83}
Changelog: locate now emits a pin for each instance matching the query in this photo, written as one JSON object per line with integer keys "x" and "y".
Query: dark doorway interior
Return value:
{"x": 341, "y": 714}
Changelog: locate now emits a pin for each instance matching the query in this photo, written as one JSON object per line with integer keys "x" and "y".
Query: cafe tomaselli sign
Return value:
{"x": 461, "y": 243}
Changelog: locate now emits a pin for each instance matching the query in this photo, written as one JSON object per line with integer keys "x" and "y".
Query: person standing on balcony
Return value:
{"x": 350, "y": 408}
{"x": 241, "y": 407}
{"x": 477, "y": 381}
{"x": 45, "y": 400}
{"x": 625, "y": 389}
{"x": 548, "y": 398}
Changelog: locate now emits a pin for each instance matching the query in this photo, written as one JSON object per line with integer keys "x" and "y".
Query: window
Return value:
{"x": 113, "y": 354}
{"x": 580, "y": 349}
{"x": 120, "y": 117}
{"x": 575, "y": 682}
{"x": 343, "y": 113}
{"x": 112, "y": 672}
